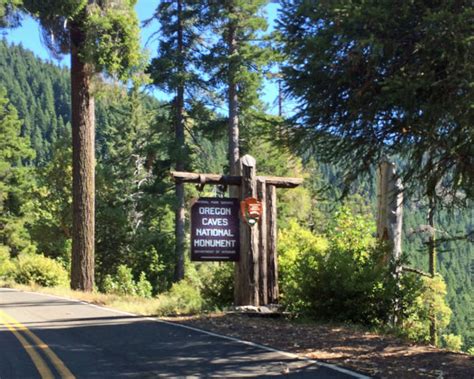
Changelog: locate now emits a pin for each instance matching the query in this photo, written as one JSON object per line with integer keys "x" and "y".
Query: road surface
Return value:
{"x": 43, "y": 336}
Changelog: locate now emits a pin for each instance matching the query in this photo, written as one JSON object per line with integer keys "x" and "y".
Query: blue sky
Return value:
{"x": 29, "y": 36}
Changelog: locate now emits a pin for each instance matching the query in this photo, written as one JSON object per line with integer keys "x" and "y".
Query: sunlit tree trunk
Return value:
{"x": 83, "y": 131}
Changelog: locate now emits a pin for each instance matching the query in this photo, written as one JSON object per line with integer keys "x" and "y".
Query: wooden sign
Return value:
{"x": 251, "y": 210}
{"x": 215, "y": 229}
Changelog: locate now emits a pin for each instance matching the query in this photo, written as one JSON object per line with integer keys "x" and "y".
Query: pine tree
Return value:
{"x": 16, "y": 181}
{"x": 368, "y": 83}
{"x": 175, "y": 70}
{"x": 100, "y": 37}
{"x": 236, "y": 60}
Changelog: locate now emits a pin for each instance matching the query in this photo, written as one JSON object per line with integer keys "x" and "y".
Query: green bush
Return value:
{"x": 218, "y": 285}
{"x": 416, "y": 323}
{"x": 143, "y": 286}
{"x": 37, "y": 269}
{"x": 6, "y": 264}
{"x": 182, "y": 298}
{"x": 123, "y": 283}
{"x": 124, "y": 280}
{"x": 339, "y": 276}
{"x": 452, "y": 342}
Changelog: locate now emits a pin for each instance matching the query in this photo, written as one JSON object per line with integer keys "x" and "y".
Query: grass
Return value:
{"x": 131, "y": 304}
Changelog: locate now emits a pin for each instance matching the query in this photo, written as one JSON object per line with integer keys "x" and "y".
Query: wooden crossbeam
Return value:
{"x": 191, "y": 177}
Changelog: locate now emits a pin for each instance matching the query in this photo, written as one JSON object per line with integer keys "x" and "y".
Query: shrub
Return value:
{"x": 143, "y": 286}
{"x": 452, "y": 342}
{"x": 182, "y": 298}
{"x": 37, "y": 269}
{"x": 416, "y": 324}
{"x": 6, "y": 264}
{"x": 218, "y": 285}
{"x": 299, "y": 253}
{"x": 123, "y": 283}
{"x": 340, "y": 276}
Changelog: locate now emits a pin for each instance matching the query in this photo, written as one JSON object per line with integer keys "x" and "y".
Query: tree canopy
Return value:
{"x": 111, "y": 29}
{"x": 375, "y": 78}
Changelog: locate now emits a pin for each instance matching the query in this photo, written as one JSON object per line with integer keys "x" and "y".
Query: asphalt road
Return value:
{"x": 46, "y": 337}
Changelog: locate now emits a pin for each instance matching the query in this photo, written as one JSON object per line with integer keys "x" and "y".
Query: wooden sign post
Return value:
{"x": 256, "y": 272}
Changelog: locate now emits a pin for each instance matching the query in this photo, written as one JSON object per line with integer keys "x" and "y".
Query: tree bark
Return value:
{"x": 262, "y": 263}
{"x": 83, "y": 185}
{"x": 246, "y": 270}
{"x": 179, "y": 136}
{"x": 273, "y": 289}
{"x": 432, "y": 267}
{"x": 233, "y": 126}
{"x": 390, "y": 209}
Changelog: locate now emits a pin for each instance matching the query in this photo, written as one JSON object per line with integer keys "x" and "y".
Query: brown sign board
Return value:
{"x": 215, "y": 229}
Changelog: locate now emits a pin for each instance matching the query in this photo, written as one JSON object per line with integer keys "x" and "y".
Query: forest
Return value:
{"x": 356, "y": 95}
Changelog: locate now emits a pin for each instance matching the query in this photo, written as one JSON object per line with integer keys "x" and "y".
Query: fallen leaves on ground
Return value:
{"x": 368, "y": 353}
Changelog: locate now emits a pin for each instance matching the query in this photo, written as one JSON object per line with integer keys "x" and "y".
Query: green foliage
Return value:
{"x": 113, "y": 39}
{"x": 52, "y": 204}
{"x": 183, "y": 298}
{"x": 433, "y": 296}
{"x": 298, "y": 252}
{"x": 340, "y": 276}
{"x": 40, "y": 92}
{"x": 452, "y": 342}
{"x": 16, "y": 181}
{"x": 40, "y": 270}
{"x": 111, "y": 31}
{"x": 143, "y": 286}
{"x": 370, "y": 84}
{"x": 6, "y": 265}
{"x": 218, "y": 285}
{"x": 123, "y": 283}
{"x": 241, "y": 64}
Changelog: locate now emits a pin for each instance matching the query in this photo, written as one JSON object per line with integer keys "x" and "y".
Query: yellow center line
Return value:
{"x": 41, "y": 366}
{"x": 58, "y": 363}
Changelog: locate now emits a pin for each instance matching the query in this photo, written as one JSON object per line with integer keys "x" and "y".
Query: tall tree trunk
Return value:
{"x": 390, "y": 209}
{"x": 233, "y": 127}
{"x": 432, "y": 266}
{"x": 83, "y": 184}
{"x": 179, "y": 136}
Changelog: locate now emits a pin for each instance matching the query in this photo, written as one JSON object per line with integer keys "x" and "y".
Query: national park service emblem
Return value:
{"x": 251, "y": 210}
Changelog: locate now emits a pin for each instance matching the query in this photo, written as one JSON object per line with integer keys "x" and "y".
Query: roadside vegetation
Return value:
{"x": 336, "y": 276}
{"x": 352, "y": 101}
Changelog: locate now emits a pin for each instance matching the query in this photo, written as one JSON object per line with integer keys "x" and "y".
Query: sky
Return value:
{"x": 29, "y": 36}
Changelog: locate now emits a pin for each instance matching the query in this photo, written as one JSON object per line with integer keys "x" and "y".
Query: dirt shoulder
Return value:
{"x": 371, "y": 354}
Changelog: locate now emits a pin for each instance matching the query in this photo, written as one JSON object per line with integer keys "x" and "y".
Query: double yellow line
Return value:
{"x": 32, "y": 347}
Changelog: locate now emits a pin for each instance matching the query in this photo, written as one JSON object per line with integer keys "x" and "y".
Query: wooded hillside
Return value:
{"x": 135, "y": 197}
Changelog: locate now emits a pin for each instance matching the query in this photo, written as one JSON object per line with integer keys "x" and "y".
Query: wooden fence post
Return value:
{"x": 246, "y": 270}
{"x": 263, "y": 265}
{"x": 273, "y": 291}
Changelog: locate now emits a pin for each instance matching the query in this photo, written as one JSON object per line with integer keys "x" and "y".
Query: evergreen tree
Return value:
{"x": 100, "y": 36}
{"x": 369, "y": 83}
{"x": 236, "y": 60}
{"x": 15, "y": 180}
{"x": 40, "y": 92}
{"x": 175, "y": 70}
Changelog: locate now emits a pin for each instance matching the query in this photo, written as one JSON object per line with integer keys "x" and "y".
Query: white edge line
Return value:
{"x": 234, "y": 339}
